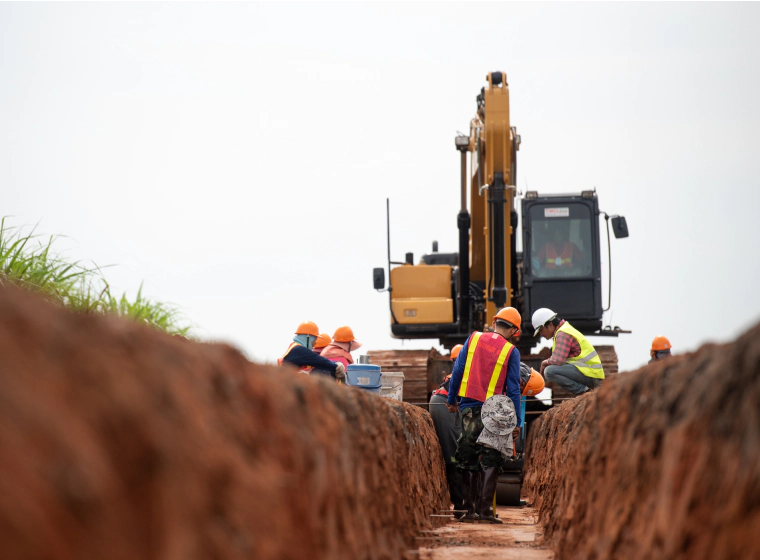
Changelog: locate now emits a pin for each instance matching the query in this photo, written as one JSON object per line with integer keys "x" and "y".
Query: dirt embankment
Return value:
{"x": 663, "y": 462}
{"x": 123, "y": 443}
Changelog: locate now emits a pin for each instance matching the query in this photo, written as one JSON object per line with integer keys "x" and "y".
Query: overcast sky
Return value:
{"x": 237, "y": 157}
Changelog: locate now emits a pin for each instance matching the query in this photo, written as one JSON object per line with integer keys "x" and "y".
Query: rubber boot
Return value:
{"x": 487, "y": 491}
{"x": 470, "y": 495}
{"x": 454, "y": 478}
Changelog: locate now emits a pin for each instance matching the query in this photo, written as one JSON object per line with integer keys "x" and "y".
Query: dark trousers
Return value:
{"x": 448, "y": 427}
{"x": 471, "y": 455}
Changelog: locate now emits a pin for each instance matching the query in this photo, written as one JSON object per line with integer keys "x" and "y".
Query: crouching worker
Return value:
{"x": 300, "y": 354}
{"x": 574, "y": 364}
{"x": 488, "y": 365}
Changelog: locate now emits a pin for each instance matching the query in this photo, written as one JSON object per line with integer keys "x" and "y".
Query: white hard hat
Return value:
{"x": 541, "y": 317}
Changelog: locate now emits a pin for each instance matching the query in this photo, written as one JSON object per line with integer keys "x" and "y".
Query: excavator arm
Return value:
{"x": 493, "y": 143}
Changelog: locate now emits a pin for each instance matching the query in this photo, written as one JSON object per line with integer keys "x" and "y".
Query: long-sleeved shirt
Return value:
{"x": 565, "y": 347}
{"x": 302, "y": 356}
{"x": 511, "y": 386}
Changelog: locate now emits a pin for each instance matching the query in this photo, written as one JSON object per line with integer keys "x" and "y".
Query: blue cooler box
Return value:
{"x": 366, "y": 376}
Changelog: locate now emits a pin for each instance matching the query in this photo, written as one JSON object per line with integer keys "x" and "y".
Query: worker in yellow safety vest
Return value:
{"x": 488, "y": 365}
{"x": 574, "y": 364}
{"x": 300, "y": 354}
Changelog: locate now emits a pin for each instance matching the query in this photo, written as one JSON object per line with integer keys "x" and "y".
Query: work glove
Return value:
{"x": 340, "y": 372}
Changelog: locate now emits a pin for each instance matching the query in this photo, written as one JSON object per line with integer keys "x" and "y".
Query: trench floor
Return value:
{"x": 517, "y": 539}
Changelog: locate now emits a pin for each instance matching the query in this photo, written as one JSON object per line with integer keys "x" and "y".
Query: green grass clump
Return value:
{"x": 27, "y": 261}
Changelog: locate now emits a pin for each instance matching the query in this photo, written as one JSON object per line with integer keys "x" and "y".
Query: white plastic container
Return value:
{"x": 392, "y": 385}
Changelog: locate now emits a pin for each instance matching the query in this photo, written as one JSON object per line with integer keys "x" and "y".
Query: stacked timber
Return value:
{"x": 413, "y": 364}
{"x": 424, "y": 370}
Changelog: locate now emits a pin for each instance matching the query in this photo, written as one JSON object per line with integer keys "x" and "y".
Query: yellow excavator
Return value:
{"x": 447, "y": 296}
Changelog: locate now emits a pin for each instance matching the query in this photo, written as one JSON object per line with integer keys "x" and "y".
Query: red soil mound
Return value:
{"x": 120, "y": 442}
{"x": 663, "y": 462}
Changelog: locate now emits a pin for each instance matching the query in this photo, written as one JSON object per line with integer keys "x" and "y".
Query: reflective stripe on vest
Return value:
{"x": 553, "y": 260}
{"x": 281, "y": 359}
{"x": 486, "y": 366}
{"x": 588, "y": 361}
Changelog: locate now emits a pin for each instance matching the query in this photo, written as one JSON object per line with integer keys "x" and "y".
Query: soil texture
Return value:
{"x": 663, "y": 462}
{"x": 120, "y": 442}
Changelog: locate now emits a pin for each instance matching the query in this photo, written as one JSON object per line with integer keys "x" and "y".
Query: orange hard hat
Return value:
{"x": 346, "y": 335}
{"x": 455, "y": 352}
{"x": 322, "y": 340}
{"x": 660, "y": 343}
{"x": 511, "y": 316}
{"x": 534, "y": 385}
{"x": 307, "y": 327}
{"x": 343, "y": 334}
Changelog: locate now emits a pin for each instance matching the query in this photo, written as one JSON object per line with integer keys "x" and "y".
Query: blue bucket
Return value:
{"x": 364, "y": 375}
{"x": 370, "y": 388}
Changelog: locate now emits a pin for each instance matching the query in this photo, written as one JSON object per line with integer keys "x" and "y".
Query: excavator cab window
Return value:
{"x": 560, "y": 245}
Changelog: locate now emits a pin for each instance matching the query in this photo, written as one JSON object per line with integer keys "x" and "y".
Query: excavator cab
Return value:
{"x": 561, "y": 264}
{"x": 560, "y": 267}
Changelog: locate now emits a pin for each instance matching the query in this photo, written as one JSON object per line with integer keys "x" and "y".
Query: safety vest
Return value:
{"x": 304, "y": 369}
{"x": 553, "y": 260}
{"x": 588, "y": 361}
{"x": 486, "y": 366}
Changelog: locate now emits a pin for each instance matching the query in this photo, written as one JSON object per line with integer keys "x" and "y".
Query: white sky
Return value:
{"x": 236, "y": 157}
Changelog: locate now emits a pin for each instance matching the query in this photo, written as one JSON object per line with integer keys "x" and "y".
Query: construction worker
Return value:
{"x": 322, "y": 341}
{"x": 448, "y": 427}
{"x": 487, "y": 365}
{"x": 300, "y": 354}
{"x": 343, "y": 343}
{"x": 660, "y": 349}
{"x": 559, "y": 255}
{"x": 531, "y": 382}
{"x": 574, "y": 364}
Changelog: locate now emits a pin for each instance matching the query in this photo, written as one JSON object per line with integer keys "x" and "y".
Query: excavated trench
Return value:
{"x": 123, "y": 443}
{"x": 663, "y": 462}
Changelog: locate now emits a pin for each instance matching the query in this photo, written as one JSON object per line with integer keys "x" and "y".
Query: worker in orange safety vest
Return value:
{"x": 560, "y": 252}
{"x": 488, "y": 365}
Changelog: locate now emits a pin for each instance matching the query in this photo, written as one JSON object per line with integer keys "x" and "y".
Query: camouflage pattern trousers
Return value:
{"x": 471, "y": 455}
